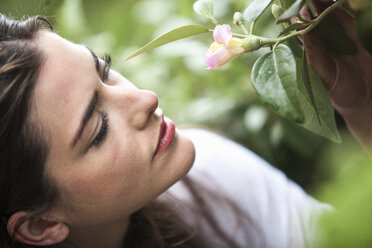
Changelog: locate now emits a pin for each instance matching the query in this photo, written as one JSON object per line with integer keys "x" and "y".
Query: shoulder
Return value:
{"x": 210, "y": 147}
{"x": 284, "y": 211}
{"x": 229, "y": 161}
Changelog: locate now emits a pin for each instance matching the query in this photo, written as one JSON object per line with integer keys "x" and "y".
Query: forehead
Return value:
{"x": 63, "y": 86}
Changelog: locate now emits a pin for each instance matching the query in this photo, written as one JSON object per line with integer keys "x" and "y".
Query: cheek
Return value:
{"x": 108, "y": 185}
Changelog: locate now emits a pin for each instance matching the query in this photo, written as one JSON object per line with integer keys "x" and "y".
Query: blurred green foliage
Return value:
{"x": 176, "y": 72}
{"x": 222, "y": 100}
{"x": 348, "y": 190}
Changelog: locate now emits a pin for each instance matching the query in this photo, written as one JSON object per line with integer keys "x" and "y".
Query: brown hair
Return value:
{"x": 24, "y": 184}
{"x": 160, "y": 224}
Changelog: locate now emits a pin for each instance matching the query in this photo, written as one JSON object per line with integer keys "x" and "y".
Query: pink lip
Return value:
{"x": 166, "y": 135}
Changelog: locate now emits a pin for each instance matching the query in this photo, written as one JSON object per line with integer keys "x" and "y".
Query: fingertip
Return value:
{"x": 305, "y": 13}
{"x": 319, "y": 59}
{"x": 320, "y": 5}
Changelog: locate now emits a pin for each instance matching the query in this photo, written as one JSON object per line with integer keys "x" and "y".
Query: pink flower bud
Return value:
{"x": 224, "y": 48}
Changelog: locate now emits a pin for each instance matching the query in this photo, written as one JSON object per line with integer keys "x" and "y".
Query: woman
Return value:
{"x": 87, "y": 159}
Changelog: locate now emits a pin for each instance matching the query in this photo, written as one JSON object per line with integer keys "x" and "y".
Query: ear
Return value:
{"x": 37, "y": 231}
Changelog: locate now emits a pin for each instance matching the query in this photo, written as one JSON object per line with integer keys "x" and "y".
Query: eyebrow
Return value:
{"x": 95, "y": 57}
{"x": 91, "y": 106}
{"x": 87, "y": 115}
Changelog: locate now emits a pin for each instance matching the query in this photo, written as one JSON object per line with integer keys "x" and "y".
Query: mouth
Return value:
{"x": 166, "y": 135}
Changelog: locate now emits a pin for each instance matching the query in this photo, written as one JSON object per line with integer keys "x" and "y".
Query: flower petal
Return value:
{"x": 214, "y": 47}
{"x": 218, "y": 58}
{"x": 235, "y": 46}
{"x": 222, "y": 34}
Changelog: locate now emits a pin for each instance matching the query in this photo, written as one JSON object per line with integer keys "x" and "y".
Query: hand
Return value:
{"x": 347, "y": 78}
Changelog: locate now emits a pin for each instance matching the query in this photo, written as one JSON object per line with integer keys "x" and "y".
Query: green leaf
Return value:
{"x": 283, "y": 4}
{"x": 204, "y": 8}
{"x": 289, "y": 2}
{"x": 334, "y": 37}
{"x": 274, "y": 77}
{"x": 291, "y": 11}
{"x": 307, "y": 82}
{"x": 327, "y": 125}
{"x": 286, "y": 3}
{"x": 173, "y": 35}
{"x": 255, "y": 9}
{"x": 290, "y": 28}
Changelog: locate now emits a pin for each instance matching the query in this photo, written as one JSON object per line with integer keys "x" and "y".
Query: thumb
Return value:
{"x": 341, "y": 17}
{"x": 320, "y": 60}
{"x": 317, "y": 55}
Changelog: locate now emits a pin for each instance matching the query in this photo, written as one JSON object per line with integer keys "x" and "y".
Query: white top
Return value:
{"x": 281, "y": 213}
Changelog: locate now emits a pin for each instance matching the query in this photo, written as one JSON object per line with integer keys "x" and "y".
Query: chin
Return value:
{"x": 187, "y": 153}
{"x": 181, "y": 160}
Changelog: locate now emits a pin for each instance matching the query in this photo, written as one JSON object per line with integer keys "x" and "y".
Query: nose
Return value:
{"x": 148, "y": 103}
{"x": 136, "y": 106}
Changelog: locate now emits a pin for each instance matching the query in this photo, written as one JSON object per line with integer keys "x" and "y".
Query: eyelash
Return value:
{"x": 102, "y": 132}
{"x": 106, "y": 70}
{"x": 105, "y": 120}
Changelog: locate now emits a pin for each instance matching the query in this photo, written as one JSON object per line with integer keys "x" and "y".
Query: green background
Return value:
{"x": 222, "y": 100}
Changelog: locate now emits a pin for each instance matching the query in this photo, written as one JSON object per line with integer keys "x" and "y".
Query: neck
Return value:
{"x": 108, "y": 236}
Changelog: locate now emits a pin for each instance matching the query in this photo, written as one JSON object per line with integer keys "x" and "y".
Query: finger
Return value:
{"x": 320, "y": 6}
{"x": 343, "y": 18}
{"x": 306, "y": 13}
{"x": 317, "y": 55}
{"x": 319, "y": 59}
{"x": 349, "y": 88}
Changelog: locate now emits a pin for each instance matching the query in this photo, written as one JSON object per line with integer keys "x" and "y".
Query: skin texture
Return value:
{"x": 101, "y": 185}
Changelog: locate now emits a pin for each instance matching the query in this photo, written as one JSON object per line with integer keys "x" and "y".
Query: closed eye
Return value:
{"x": 100, "y": 137}
{"x": 106, "y": 70}
{"x": 102, "y": 134}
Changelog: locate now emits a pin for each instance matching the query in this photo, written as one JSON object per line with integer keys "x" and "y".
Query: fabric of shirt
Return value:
{"x": 282, "y": 214}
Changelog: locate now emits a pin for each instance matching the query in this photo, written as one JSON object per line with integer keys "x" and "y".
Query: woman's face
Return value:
{"x": 103, "y": 133}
